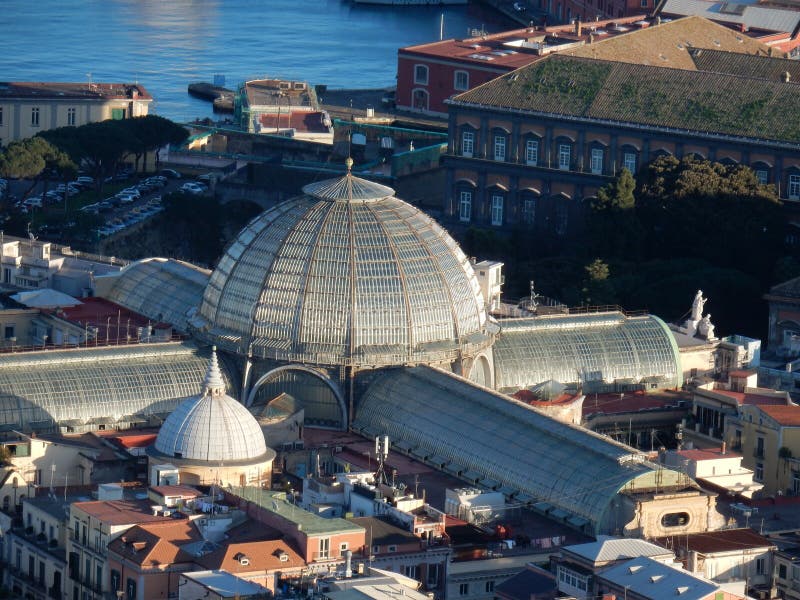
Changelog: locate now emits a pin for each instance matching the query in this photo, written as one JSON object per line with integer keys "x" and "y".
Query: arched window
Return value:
{"x": 421, "y": 74}
{"x": 419, "y": 99}
{"x": 461, "y": 81}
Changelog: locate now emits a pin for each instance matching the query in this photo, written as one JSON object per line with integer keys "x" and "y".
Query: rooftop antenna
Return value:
{"x": 381, "y": 454}
{"x": 441, "y": 28}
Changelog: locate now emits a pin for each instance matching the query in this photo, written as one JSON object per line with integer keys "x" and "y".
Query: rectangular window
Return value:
{"x": 465, "y": 207}
{"x": 564, "y": 156}
{"x": 463, "y": 589}
{"x": 9, "y": 331}
{"x": 796, "y": 484}
{"x": 763, "y": 176}
{"x": 499, "y": 147}
{"x": 324, "y": 547}
{"x": 391, "y": 549}
{"x": 489, "y": 587}
{"x": 35, "y": 117}
{"x": 117, "y": 114}
{"x": 761, "y": 566}
{"x": 629, "y": 161}
{"x": 759, "y": 452}
{"x": 794, "y": 187}
{"x": 759, "y": 474}
{"x": 130, "y": 588}
{"x": 421, "y": 74}
{"x": 529, "y": 211}
{"x": 467, "y": 143}
{"x": 410, "y": 571}
{"x": 532, "y": 152}
{"x": 597, "y": 161}
{"x": 644, "y": 3}
{"x": 497, "y": 209}
{"x": 562, "y": 216}
{"x": 70, "y": 116}
{"x": 781, "y": 571}
{"x": 433, "y": 575}
{"x": 461, "y": 81}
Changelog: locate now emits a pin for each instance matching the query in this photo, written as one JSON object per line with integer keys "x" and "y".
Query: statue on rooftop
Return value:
{"x": 706, "y": 328}
{"x": 697, "y": 306}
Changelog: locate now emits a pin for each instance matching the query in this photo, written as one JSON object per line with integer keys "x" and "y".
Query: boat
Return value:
{"x": 411, "y": 2}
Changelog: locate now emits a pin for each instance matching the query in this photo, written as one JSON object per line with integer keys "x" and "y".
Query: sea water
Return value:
{"x": 167, "y": 44}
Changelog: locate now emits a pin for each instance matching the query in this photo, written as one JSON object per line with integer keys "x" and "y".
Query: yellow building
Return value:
{"x": 28, "y": 108}
{"x": 769, "y": 438}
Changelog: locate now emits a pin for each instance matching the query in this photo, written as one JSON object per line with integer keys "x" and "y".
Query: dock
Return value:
{"x": 221, "y": 97}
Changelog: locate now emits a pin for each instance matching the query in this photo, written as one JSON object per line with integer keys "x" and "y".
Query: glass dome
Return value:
{"x": 212, "y": 427}
{"x": 346, "y": 274}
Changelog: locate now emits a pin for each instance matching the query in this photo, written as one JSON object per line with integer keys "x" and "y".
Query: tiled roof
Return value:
{"x": 66, "y": 91}
{"x": 725, "y": 540}
{"x": 646, "y": 95}
{"x": 747, "y": 65}
{"x": 263, "y": 555}
{"x": 788, "y": 416}
{"x": 184, "y": 491}
{"x": 156, "y": 543}
{"x": 667, "y": 45}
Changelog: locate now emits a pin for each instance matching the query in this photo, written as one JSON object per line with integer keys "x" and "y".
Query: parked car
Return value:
{"x": 170, "y": 173}
{"x": 191, "y": 187}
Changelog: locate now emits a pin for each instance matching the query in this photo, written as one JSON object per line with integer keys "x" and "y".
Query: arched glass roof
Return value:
{"x": 590, "y": 349}
{"x": 346, "y": 274}
{"x": 470, "y": 428}
{"x": 164, "y": 290}
{"x": 91, "y": 386}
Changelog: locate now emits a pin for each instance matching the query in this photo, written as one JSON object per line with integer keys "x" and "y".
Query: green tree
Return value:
{"x": 617, "y": 195}
{"x": 614, "y": 230}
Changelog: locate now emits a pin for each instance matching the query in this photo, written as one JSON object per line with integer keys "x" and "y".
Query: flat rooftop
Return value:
{"x": 67, "y": 91}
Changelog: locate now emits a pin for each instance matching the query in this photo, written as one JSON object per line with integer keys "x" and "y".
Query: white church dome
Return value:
{"x": 212, "y": 427}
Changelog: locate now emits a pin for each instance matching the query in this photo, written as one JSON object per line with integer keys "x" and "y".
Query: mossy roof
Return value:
{"x": 717, "y": 103}
{"x": 747, "y": 65}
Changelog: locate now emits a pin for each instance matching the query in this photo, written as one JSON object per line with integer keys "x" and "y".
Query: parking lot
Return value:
{"x": 139, "y": 199}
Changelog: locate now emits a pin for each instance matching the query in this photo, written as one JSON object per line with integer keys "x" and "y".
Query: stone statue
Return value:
{"x": 706, "y": 328}
{"x": 697, "y": 306}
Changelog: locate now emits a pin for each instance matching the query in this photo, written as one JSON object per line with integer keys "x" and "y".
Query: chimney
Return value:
{"x": 578, "y": 27}
{"x": 591, "y": 38}
{"x": 786, "y": 77}
{"x": 724, "y": 446}
{"x": 348, "y": 567}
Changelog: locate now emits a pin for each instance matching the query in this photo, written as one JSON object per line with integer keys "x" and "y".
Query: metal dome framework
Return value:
{"x": 345, "y": 275}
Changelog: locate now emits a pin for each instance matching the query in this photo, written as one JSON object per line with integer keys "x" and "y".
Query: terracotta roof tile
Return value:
{"x": 156, "y": 543}
{"x": 651, "y": 96}
{"x": 263, "y": 555}
{"x": 747, "y": 65}
{"x": 788, "y": 416}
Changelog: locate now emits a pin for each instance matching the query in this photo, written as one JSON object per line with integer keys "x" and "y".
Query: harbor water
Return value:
{"x": 167, "y": 44}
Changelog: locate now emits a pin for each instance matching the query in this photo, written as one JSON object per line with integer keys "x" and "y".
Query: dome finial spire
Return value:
{"x": 348, "y": 162}
{"x": 214, "y": 384}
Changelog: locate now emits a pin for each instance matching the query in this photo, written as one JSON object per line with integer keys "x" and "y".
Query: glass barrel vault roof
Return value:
{"x": 164, "y": 290}
{"x": 500, "y": 438}
{"x": 39, "y": 390}
{"x": 344, "y": 274}
{"x": 586, "y": 349}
